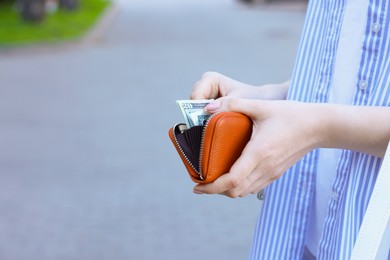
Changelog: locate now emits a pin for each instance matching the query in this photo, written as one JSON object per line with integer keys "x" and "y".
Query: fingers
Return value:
{"x": 252, "y": 108}
{"x": 220, "y": 185}
{"x": 238, "y": 188}
{"x": 214, "y": 85}
{"x": 241, "y": 176}
{"x": 254, "y": 170}
{"x": 208, "y": 87}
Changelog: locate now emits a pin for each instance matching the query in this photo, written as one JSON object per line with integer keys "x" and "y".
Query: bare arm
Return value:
{"x": 360, "y": 128}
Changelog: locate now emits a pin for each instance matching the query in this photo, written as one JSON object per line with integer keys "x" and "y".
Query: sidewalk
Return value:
{"x": 86, "y": 167}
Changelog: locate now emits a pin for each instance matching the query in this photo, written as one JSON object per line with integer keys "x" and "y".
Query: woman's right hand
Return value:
{"x": 214, "y": 85}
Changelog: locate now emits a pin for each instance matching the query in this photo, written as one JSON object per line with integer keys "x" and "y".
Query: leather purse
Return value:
{"x": 209, "y": 151}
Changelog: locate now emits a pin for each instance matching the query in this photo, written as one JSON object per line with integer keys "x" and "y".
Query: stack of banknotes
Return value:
{"x": 193, "y": 111}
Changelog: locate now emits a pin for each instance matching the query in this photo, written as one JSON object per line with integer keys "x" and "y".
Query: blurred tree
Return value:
{"x": 35, "y": 10}
{"x": 69, "y": 4}
{"x": 32, "y": 10}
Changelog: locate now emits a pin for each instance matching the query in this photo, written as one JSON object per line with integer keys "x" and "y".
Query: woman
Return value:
{"x": 317, "y": 153}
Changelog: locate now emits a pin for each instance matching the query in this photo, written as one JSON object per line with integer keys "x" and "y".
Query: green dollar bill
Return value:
{"x": 193, "y": 111}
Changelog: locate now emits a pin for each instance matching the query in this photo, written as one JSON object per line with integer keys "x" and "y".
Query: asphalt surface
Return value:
{"x": 86, "y": 167}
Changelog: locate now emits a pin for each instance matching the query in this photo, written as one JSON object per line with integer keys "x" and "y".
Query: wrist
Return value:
{"x": 273, "y": 91}
{"x": 318, "y": 125}
{"x": 327, "y": 126}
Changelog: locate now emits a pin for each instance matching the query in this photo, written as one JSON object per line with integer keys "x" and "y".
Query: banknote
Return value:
{"x": 193, "y": 111}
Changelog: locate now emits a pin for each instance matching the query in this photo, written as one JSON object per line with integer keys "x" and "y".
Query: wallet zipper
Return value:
{"x": 201, "y": 143}
{"x": 201, "y": 147}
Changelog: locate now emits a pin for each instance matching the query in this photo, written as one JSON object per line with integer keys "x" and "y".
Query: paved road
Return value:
{"x": 86, "y": 167}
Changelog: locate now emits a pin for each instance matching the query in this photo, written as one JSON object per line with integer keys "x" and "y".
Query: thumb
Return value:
{"x": 247, "y": 107}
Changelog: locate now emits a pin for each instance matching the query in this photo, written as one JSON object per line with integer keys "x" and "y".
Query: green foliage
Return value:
{"x": 60, "y": 26}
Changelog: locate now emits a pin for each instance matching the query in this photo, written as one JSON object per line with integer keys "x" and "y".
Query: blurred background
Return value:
{"x": 87, "y": 95}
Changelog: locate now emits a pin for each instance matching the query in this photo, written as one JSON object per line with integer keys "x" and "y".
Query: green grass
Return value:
{"x": 60, "y": 26}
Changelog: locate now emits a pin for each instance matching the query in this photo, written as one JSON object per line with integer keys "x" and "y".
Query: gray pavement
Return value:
{"x": 86, "y": 167}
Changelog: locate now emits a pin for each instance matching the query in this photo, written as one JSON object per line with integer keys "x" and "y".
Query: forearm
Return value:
{"x": 274, "y": 91}
{"x": 359, "y": 128}
{"x": 239, "y": 89}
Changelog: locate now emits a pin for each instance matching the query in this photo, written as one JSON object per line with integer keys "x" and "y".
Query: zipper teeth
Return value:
{"x": 184, "y": 155}
{"x": 202, "y": 144}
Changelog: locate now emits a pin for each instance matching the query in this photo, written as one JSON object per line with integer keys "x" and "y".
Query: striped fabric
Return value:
{"x": 281, "y": 229}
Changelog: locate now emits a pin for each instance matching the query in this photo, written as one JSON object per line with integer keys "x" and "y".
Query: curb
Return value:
{"x": 100, "y": 29}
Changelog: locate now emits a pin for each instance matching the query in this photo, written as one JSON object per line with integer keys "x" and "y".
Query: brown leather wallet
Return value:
{"x": 209, "y": 151}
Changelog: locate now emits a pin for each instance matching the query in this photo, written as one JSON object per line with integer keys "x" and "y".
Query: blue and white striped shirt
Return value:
{"x": 283, "y": 223}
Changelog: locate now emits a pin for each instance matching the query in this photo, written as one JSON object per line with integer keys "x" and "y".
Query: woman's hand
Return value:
{"x": 214, "y": 85}
{"x": 284, "y": 131}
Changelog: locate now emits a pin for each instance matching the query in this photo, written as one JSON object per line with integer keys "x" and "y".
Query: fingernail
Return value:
{"x": 198, "y": 192}
{"x": 213, "y": 106}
